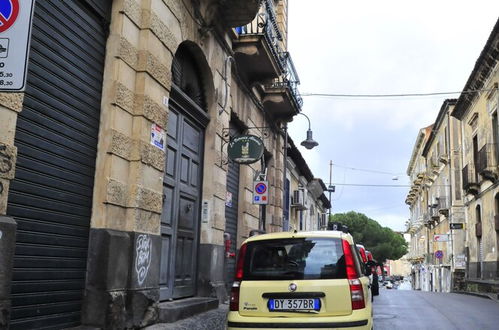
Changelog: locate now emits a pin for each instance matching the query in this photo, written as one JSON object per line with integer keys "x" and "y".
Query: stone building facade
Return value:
{"x": 455, "y": 188}
{"x": 445, "y": 202}
{"x": 116, "y": 192}
{"x": 480, "y": 140}
{"x": 417, "y": 199}
{"x": 305, "y": 201}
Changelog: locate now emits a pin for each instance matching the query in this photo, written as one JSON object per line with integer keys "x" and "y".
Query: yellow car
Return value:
{"x": 300, "y": 280}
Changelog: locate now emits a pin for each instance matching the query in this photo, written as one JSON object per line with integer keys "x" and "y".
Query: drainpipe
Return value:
{"x": 284, "y": 174}
{"x": 451, "y": 218}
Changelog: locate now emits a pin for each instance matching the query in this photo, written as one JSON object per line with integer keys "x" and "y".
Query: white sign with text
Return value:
{"x": 15, "y": 34}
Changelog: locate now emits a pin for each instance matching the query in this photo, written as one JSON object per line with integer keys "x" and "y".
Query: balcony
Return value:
{"x": 443, "y": 206}
{"x": 434, "y": 215}
{"x": 433, "y": 166}
{"x": 282, "y": 98}
{"x": 444, "y": 159}
{"x": 258, "y": 47}
{"x": 419, "y": 180}
{"x": 470, "y": 180}
{"x": 427, "y": 220}
{"x": 486, "y": 162}
{"x": 238, "y": 12}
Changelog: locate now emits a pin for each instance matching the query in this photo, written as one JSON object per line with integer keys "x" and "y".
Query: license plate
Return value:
{"x": 307, "y": 304}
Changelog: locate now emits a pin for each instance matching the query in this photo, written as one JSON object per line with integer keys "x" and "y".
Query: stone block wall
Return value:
{"x": 10, "y": 106}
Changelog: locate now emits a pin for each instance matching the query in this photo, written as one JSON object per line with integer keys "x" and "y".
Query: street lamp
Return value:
{"x": 309, "y": 143}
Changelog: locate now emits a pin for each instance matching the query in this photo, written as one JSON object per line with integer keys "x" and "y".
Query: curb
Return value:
{"x": 478, "y": 294}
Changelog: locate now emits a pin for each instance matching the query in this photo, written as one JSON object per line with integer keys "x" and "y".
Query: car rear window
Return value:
{"x": 297, "y": 258}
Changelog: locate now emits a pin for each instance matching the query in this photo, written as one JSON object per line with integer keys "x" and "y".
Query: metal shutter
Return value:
{"x": 56, "y": 137}
{"x": 231, "y": 217}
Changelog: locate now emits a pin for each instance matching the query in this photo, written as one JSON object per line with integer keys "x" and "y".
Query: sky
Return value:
{"x": 378, "y": 47}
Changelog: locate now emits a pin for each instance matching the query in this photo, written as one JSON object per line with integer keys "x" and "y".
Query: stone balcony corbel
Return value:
{"x": 238, "y": 12}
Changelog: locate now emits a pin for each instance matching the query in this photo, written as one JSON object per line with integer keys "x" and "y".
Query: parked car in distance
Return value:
{"x": 362, "y": 251}
{"x": 300, "y": 280}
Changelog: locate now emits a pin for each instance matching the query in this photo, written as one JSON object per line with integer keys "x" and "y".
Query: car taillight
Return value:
{"x": 363, "y": 255}
{"x": 356, "y": 291}
{"x": 240, "y": 263}
{"x": 357, "y": 294}
{"x": 349, "y": 261}
{"x": 234, "y": 292}
{"x": 234, "y": 296}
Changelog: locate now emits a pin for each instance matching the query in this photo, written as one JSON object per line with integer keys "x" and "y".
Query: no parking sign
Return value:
{"x": 15, "y": 33}
{"x": 260, "y": 192}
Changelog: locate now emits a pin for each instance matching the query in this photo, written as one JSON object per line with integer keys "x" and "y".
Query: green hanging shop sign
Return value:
{"x": 245, "y": 149}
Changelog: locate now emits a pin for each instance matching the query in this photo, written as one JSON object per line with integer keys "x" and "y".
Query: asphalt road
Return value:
{"x": 393, "y": 309}
{"x": 402, "y": 309}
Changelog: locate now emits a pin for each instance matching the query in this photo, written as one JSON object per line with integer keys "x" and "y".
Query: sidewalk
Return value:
{"x": 211, "y": 320}
{"x": 491, "y": 296}
{"x": 481, "y": 288}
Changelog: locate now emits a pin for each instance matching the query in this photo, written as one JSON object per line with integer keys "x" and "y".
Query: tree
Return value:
{"x": 383, "y": 242}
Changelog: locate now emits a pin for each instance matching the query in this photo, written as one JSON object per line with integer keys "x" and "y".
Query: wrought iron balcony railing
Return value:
{"x": 289, "y": 80}
{"x": 426, "y": 218}
{"x": 470, "y": 180}
{"x": 265, "y": 23}
{"x": 487, "y": 161}
{"x": 443, "y": 205}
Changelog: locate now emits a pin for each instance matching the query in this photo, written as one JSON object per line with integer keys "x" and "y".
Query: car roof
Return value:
{"x": 302, "y": 234}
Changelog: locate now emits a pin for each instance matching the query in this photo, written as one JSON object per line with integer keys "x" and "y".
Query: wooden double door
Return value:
{"x": 181, "y": 199}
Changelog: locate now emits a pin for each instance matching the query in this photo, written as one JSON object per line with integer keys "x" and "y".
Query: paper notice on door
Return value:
{"x": 158, "y": 137}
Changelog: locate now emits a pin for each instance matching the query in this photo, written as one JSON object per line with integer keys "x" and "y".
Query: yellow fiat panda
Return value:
{"x": 300, "y": 280}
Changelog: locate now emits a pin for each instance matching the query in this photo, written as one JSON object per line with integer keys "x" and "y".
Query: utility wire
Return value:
{"x": 396, "y": 95}
{"x": 371, "y": 185}
{"x": 367, "y": 170}
{"x": 383, "y": 185}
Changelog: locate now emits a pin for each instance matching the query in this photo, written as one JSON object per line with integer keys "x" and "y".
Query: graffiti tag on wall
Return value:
{"x": 143, "y": 249}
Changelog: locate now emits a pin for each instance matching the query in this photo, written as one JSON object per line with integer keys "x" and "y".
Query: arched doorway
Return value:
{"x": 182, "y": 180}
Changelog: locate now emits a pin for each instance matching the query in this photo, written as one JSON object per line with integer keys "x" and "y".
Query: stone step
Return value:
{"x": 172, "y": 311}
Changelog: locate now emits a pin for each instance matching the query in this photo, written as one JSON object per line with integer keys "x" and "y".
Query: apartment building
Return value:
{"x": 117, "y": 195}
{"x": 454, "y": 199}
{"x": 306, "y": 202}
{"x": 476, "y": 108}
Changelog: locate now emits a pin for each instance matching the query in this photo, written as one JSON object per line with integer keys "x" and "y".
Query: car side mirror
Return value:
{"x": 368, "y": 271}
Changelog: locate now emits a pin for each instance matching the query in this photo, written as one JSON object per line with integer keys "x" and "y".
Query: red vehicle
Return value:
{"x": 362, "y": 251}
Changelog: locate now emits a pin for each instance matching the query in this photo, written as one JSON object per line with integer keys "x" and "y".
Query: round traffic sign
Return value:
{"x": 261, "y": 188}
{"x": 439, "y": 254}
{"x": 9, "y": 9}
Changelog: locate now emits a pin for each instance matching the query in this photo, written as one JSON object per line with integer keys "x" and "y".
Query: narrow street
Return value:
{"x": 393, "y": 309}
{"x": 399, "y": 309}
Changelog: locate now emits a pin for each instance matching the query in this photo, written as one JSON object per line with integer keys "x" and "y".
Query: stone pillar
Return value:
{"x": 122, "y": 288}
{"x": 10, "y": 106}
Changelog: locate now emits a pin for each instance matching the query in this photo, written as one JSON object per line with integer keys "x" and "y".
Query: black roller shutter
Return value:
{"x": 231, "y": 213}
{"x": 56, "y": 137}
